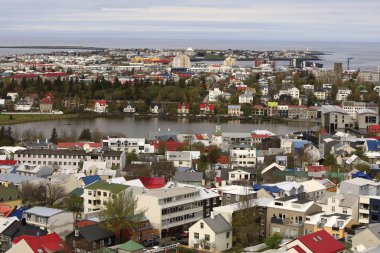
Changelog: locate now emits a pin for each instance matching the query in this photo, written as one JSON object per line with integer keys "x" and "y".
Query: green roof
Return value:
{"x": 77, "y": 192}
{"x": 131, "y": 246}
{"x": 114, "y": 188}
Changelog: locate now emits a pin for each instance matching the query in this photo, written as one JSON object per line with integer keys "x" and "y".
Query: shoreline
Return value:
{"x": 22, "y": 118}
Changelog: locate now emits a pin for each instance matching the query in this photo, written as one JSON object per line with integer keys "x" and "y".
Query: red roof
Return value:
{"x": 374, "y": 129}
{"x": 210, "y": 106}
{"x": 317, "y": 168}
{"x": 66, "y": 145}
{"x": 321, "y": 242}
{"x": 299, "y": 249}
{"x": 101, "y": 102}
{"x": 54, "y": 74}
{"x": 187, "y": 106}
{"x": 20, "y": 76}
{"x": 260, "y": 136}
{"x": 153, "y": 182}
{"x": 168, "y": 145}
{"x": 85, "y": 223}
{"x": 46, "y": 243}
{"x": 223, "y": 159}
{"x": 8, "y": 162}
{"x": 258, "y": 107}
{"x": 5, "y": 210}
{"x": 46, "y": 100}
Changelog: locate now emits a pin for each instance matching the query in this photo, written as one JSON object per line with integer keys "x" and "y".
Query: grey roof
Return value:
{"x": 375, "y": 229}
{"x": 347, "y": 199}
{"x": 332, "y": 108}
{"x": 17, "y": 179}
{"x": 44, "y": 211}
{"x": 366, "y": 111}
{"x": 218, "y": 224}
{"x": 188, "y": 176}
{"x": 95, "y": 232}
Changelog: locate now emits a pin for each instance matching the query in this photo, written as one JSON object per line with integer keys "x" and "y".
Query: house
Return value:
{"x": 46, "y": 104}
{"x": 259, "y": 111}
{"x": 22, "y": 105}
{"x": 156, "y": 109}
{"x": 10, "y": 195}
{"x": 241, "y": 174}
{"x": 98, "y": 193}
{"x": 366, "y": 118}
{"x": 360, "y": 186}
{"x": 192, "y": 178}
{"x": 27, "y": 169}
{"x": 242, "y": 156}
{"x": 100, "y": 106}
{"x": 272, "y": 109}
{"x": 269, "y": 172}
{"x": 367, "y": 238}
{"x": 51, "y": 219}
{"x": 11, "y": 228}
{"x": 234, "y": 110}
{"x": 318, "y": 242}
{"x": 313, "y": 189}
{"x": 182, "y": 159}
{"x": 207, "y": 108}
{"x": 89, "y": 236}
{"x": 340, "y": 203}
{"x": 231, "y": 194}
{"x": 183, "y": 108}
{"x": 129, "y": 108}
{"x": 50, "y": 243}
{"x": 212, "y": 233}
{"x": 335, "y": 224}
{"x": 342, "y": 94}
{"x": 287, "y": 216}
{"x": 245, "y": 99}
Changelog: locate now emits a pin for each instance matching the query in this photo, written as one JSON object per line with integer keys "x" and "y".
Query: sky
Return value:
{"x": 44, "y": 21}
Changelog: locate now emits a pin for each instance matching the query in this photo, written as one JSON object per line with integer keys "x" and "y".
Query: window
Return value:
{"x": 344, "y": 210}
{"x": 207, "y": 238}
{"x": 109, "y": 241}
{"x": 196, "y": 235}
{"x": 375, "y": 208}
{"x": 101, "y": 243}
{"x": 333, "y": 208}
{"x": 202, "y": 225}
{"x": 228, "y": 235}
{"x": 89, "y": 192}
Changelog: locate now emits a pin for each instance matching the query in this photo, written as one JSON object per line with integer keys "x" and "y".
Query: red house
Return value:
{"x": 207, "y": 108}
{"x": 49, "y": 243}
{"x": 183, "y": 108}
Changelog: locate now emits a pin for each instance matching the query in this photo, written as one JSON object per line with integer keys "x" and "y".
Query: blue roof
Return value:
{"x": 91, "y": 179}
{"x": 299, "y": 144}
{"x": 271, "y": 189}
{"x": 373, "y": 145}
{"x": 361, "y": 175}
{"x": 18, "y": 212}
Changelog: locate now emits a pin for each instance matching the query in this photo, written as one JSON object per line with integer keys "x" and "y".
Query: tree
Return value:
{"x": 274, "y": 241}
{"x": 42, "y": 193}
{"x": 130, "y": 157}
{"x": 163, "y": 169}
{"x": 74, "y": 204}
{"x": 121, "y": 213}
{"x": 54, "y": 136}
{"x": 54, "y": 193}
{"x": 85, "y": 135}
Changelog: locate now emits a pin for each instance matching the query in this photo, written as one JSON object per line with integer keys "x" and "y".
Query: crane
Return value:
{"x": 348, "y": 62}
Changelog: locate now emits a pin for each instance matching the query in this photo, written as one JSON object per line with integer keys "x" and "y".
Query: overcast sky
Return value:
{"x": 287, "y": 20}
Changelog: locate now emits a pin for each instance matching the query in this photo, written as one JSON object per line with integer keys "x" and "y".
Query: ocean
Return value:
{"x": 366, "y": 55}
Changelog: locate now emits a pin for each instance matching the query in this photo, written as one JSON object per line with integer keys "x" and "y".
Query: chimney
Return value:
{"x": 212, "y": 216}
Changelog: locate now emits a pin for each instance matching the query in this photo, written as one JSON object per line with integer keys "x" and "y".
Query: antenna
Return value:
{"x": 348, "y": 62}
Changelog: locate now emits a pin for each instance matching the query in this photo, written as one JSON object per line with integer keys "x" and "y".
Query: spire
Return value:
{"x": 218, "y": 128}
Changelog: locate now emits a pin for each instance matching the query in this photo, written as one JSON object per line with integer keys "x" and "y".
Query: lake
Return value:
{"x": 140, "y": 127}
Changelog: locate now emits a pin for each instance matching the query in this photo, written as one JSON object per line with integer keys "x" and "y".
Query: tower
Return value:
{"x": 218, "y": 128}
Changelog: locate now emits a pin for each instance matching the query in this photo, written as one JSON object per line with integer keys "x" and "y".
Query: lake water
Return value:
{"x": 140, "y": 127}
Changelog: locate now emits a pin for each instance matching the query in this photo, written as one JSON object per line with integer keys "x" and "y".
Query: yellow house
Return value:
{"x": 334, "y": 224}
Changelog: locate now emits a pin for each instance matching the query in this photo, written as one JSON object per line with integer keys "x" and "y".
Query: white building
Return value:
{"x": 212, "y": 233}
{"x": 182, "y": 158}
{"x": 214, "y": 95}
{"x": 100, "y": 106}
{"x": 340, "y": 203}
{"x": 22, "y": 105}
{"x": 34, "y": 170}
{"x": 352, "y": 107}
{"x": 343, "y": 94}
{"x": 320, "y": 95}
{"x": 242, "y": 156}
{"x": 129, "y": 145}
{"x": 181, "y": 61}
{"x": 245, "y": 99}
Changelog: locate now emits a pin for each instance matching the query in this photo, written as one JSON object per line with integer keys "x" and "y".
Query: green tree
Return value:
{"x": 274, "y": 241}
{"x": 54, "y": 136}
{"x": 121, "y": 213}
{"x": 74, "y": 204}
{"x": 130, "y": 157}
{"x": 85, "y": 135}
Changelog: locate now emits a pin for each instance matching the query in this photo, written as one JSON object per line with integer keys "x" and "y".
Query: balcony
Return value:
{"x": 276, "y": 220}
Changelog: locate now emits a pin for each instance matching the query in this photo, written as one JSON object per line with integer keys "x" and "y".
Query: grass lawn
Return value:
{"x": 9, "y": 119}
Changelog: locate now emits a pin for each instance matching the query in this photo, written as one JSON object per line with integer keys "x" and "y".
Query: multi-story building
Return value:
{"x": 68, "y": 160}
{"x": 245, "y": 99}
{"x": 231, "y": 194}
{"x": 272, "y": 109}
{"x": 242, "y": 156}
{"x": 51, "y": 219}
{"x": 176, "y": 207}
{"x": 351, "y": 107}
{"x": 287, "y": 216}
{"x": 182, "y": 158}
{"x": 234, "y": 110}
{"x": 366, "y": 118}
{"x": 360, "y": 186}
{"x": 259, "y": 110}
{"x": 342, "y": 94}
{"x": 369, "y": 209}
{"x": 129, "y": 145}
{"x": 183, "y": 108}
{"x": 283, "y": 111}
{"x": 97, "y": 194}
{"x": 334, "y": 118}
{"x": 320, "y": 95}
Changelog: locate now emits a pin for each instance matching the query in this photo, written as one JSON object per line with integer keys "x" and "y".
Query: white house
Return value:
{"x": 342, "y": 94}
{"x": 22, "y": 105}
{"x": 213, "y": 233}
{"x": 129, "y": 109}
{"x": 52, "y": 219}
{"x": 245, "y": 99}
{"x": 100, "y": 106}
{"x": 242, "y": 156}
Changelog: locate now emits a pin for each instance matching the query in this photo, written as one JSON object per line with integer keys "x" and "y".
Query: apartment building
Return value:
{"x": 176, "y": 207}
{"x": 342, "y": 94}
{"x": 366, "y": 118}
{"x": 182, "y": 158}
{"x": 234, "y": 110}
{"x": 242, "y": 156}
{"x": 334, "y": 118}
{"x": 231, "y": 194}
{"x": 287, "y": 216}
{"x": 129, "y": 145}
{"x": 51, "y": 219}
{"x": 68, "y": 160}
{"x": 97, "y": 194}
{"x": 369, "y": 209}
